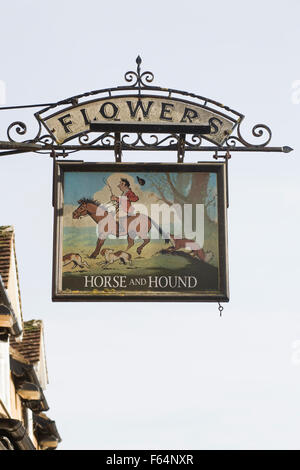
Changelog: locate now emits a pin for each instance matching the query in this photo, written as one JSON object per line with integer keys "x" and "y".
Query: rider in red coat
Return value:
{"x": 124, "y": 202}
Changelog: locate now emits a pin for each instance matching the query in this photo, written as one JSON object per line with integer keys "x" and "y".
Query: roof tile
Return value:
{"x": 6, "y": 246}
{"x": 17, "y": 355}
{"x": 30, "y": 346}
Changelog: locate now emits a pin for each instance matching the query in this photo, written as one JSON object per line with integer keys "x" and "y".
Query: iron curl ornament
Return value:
{"x": 142, "y": 140}
{"x": 138, "y": 77}
{"x": 196, "y": 141}
{"x": 258, "y": 130}
{"x": 20, "y": 128}
{"x": 141, "y": 98}
{"x": 106, "y": 139}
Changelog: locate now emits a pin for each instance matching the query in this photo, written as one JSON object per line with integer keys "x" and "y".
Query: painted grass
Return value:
{"x": 150, "y": 261}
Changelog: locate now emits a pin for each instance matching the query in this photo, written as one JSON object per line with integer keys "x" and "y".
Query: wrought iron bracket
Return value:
{"x": 185, "y": 137}
{"x": 226, "y": 157}
{"x": 13, "y": 148}
{"x": 181, "y": 148}
{"x": 54, "y": 157}
{"x": 118, "y": 147}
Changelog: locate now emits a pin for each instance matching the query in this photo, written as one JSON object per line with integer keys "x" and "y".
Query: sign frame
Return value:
{"x": 61, "y": 167}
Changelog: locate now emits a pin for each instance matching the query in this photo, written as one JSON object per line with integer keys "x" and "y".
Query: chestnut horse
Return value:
{"x": 137, "y": 225}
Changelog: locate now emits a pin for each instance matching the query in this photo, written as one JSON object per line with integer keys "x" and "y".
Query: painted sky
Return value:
{"x": 78, "y": 185}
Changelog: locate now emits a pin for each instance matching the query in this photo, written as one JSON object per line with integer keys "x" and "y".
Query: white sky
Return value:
{"x": 159, "y": 376}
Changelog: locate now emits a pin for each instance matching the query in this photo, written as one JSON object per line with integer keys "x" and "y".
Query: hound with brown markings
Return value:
{"x": 191, "y": 245}
{"x": 111, "y": 256}
{"x": 74, "y": 258}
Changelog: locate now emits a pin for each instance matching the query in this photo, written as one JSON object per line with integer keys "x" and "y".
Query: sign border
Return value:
{"x": 215, "y": 167}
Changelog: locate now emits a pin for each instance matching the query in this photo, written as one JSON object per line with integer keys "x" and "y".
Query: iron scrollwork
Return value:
{"x": 106, "y": 139}
{"x": 137, "y": 83}
{"x": 196, "y": 141}
{"x": 20, "y": 128}
{"x": 171, "y": 139}
{"x": 258, "y": 130}
{"x": 139, "y": 78}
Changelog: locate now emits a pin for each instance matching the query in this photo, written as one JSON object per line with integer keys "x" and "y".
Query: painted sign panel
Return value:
{"x": 75, "y": 121}
{"x": 140, "y": 232}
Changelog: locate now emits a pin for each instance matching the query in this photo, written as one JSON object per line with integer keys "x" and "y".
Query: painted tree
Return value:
{"x": 187, "y": 188}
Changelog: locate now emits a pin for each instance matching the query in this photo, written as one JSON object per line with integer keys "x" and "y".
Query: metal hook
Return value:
{"x": 220, "y": 308}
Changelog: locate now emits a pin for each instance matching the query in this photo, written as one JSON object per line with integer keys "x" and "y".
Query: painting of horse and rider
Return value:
{"x": 157, "y": 230}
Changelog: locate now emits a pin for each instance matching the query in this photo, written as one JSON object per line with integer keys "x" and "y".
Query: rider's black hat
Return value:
{"x": 126, "y": 182}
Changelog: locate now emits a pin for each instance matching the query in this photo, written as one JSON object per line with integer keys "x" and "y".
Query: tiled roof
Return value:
{"x": 17, "y": 355}
{"x": 6, "y": 246}
{"x": 30, "y": 346}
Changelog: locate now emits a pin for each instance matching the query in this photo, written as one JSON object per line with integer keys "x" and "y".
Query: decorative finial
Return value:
{"x": 138, "y": 79}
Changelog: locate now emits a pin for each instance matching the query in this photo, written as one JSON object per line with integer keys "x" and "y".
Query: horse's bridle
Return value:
{"x": 78, "y": 209}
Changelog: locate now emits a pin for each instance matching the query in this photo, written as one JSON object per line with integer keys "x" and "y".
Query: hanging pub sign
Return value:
{"x": 140, "y": 232}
